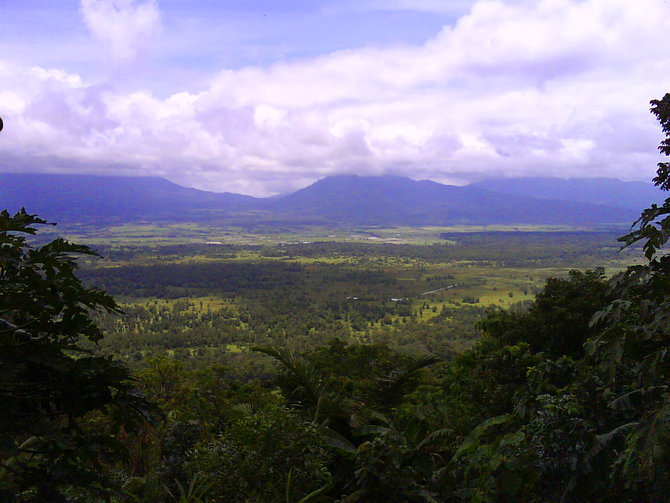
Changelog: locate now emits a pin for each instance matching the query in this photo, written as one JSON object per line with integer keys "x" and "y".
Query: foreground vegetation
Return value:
{"x": 562, "y": 398}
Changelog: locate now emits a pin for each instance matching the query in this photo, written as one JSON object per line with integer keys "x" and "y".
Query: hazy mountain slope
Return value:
{"x": 607, "y": 191}
{"x": 401, "y": 201}
{"x": 337, "y": 200}
{"x": 93, "y": 198}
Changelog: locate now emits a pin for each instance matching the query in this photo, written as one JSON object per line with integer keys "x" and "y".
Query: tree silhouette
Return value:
{"x": 51, "y": 386}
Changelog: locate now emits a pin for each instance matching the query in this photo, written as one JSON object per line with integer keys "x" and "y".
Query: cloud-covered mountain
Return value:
{"x": 607, "y": 191}
{"x": 400, "y": 201}
{"x": 88, "y": 198}
{"x": 338, "y": 200}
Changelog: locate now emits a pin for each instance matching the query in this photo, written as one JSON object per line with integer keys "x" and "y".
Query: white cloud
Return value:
{"x": 123, "y": 26}
{"x": 553, "y": 87}
{"x": 436, "y": 6}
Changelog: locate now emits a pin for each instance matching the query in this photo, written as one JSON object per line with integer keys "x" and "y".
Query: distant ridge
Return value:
{"x": 393, "y": 200}
{"x": 607, "y": 191}
{"x": 344, "y": 200}
{"x": 93, "y": 198}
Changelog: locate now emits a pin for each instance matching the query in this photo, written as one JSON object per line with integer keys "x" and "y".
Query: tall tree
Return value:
{"x": 653, "y": 226}
{"x": 51, "y": 387}
{"x": 634, "y": 343}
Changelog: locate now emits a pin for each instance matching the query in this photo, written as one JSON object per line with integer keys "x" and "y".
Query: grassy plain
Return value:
{"x": 159, "y": 234}
{"x": 197, "y": 292}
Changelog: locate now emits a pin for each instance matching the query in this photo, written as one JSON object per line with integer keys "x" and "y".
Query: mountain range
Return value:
{"x": 343, "y": 200}
{"x": 607, "y": 191}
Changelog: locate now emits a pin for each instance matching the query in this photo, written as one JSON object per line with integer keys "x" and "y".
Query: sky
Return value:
{"x": 267, "y": 96}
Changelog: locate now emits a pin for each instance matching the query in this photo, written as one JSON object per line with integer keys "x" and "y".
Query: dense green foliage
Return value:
{"x": 50, "y": 387}
{"x": 342, "y": 419}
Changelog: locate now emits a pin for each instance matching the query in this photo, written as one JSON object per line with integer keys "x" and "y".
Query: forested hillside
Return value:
{"x": 560, "y": 398}
{"x": 336, "y": 201}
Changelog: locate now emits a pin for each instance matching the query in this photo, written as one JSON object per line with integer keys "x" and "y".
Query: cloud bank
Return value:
{"x": 550, "y": 87}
